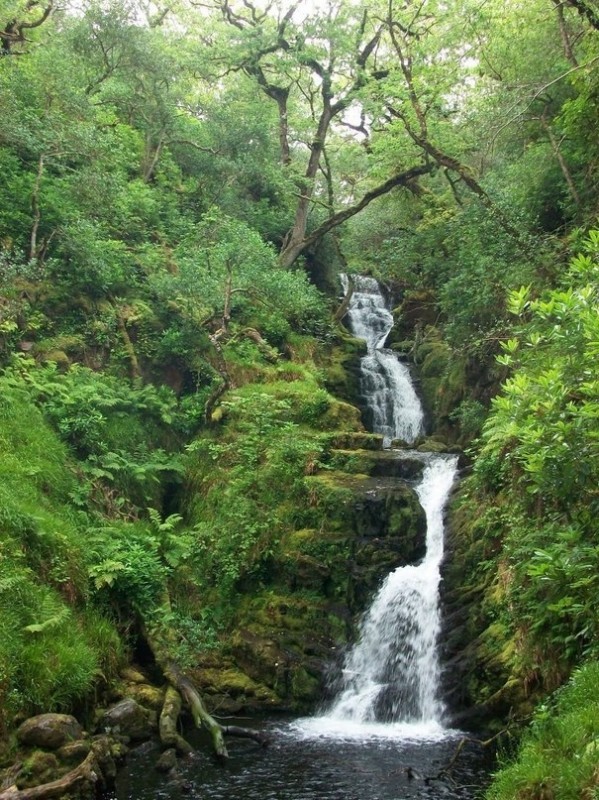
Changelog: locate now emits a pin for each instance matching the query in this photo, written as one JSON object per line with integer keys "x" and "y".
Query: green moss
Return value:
{"x": 50, "y": 655}
{"x": 443, "y": 381}
{"x": 341, "y": 368}
{"x": 40, "y": 767}
{"x": 355, "y": 441}
{"x": 304, "y": 687}
{"x": 340, "y": 416}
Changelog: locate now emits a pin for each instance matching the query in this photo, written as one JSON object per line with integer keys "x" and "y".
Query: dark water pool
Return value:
{"x": 300, "y": 766}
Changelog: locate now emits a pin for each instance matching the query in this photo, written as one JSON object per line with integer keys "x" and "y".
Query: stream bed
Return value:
{"x": 303, "y": 764}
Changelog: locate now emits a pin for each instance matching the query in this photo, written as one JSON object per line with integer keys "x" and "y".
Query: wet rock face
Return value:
{"x": 391, "y": 532}
{"x": 362, "y": 520}
{"x": 49, "y": 731}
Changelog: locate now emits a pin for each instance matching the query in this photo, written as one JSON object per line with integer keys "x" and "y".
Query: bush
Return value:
{"x": 559, "y": 755}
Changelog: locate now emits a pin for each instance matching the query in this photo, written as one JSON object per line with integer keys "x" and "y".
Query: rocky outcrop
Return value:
{"x": 362, "y": 520}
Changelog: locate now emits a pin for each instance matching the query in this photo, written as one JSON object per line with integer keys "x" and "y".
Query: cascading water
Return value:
{"x": 393, "y": 405}
{"x": 391, "y": 676}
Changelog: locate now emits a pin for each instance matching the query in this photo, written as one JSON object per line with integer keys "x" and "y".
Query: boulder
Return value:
{"x": 74, "y": 752}
{"x": 146, "y": 695}
{"x": 49, "y": 731}
{"x": 127, "y": 718}
{"x": 167, "y": 761}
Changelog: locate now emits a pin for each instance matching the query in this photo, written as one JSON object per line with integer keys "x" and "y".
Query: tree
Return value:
{"x": 18, "y": 19}
{"x": 322, "y": 63}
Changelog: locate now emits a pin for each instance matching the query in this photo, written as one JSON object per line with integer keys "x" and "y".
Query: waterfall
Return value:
{"x": 392, "y": 673}
{"x": 393, "y": 407}
{"x": 390, "y": 678}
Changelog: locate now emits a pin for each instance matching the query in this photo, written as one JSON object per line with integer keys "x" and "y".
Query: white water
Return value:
{"x": 385, "y": 382}
{"x": 391, "y": 676}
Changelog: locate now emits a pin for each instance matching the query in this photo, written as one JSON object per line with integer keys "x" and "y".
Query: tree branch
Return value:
{"x": 292, "y": 250}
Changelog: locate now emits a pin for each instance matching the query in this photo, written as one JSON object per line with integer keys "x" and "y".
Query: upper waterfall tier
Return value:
{"x": 391, "y": 402}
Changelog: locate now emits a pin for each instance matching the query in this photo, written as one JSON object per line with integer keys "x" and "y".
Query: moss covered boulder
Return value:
{"x": 49, "y": 731}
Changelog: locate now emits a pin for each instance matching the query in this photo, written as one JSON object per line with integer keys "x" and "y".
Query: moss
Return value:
{"x": 232, "y": 682}
{"x": 59, "y": 357}
{"x": 340, "y": 416}
{"x": 39, "y": 767}
{"x": 341, "y": 368}
{"x": 303, "y": 685}
{"x": 146, "y": 695}
{"x": 354, "y": 441}
{"x": 386, "y": 463}
{"x": 315, "y": 560}
{"x": 418, "y": 309}
{"x": 443, "y": 381}
{"x": 431, "y": 445}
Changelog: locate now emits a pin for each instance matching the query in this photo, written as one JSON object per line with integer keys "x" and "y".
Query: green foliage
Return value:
{"x": 111, "y": 427}
{"x": 540, "y": 448}
{"x": 250, "y": 482}
{"x": 224, "y": 266}
{"x": 51, "y": 654}
{"x": 558, "y": 757}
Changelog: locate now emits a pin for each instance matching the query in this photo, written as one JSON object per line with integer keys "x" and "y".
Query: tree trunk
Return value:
{"x": 221, "y": 367}
{"x": 162, "y": 641}
{"x": 199, "y": 712}
{"x": 563, "y": 29}
{"x": 342, "y": 310}
{"x": 292, "y": 250}
{"x": 561, "y": 160}
{"x": 136, "y": 374}
{"x": 585, "y": 10}
{"x": 35, "y": 208}
{"x": 167, "y": 725}
{"x": 294, "y": 245}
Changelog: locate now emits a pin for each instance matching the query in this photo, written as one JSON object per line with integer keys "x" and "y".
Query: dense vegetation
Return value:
{"x": 180, "y": 186}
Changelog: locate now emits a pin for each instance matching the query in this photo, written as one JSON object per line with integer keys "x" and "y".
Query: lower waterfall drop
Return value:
{"x": 392, "y": 673}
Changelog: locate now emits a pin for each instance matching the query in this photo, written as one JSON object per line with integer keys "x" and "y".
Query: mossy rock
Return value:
{"x": 315, "y": 560}
{"x": 343, "y": 440}
{"x": 418, "y": 309}
{"x": 58, "y": 357}
{"x": 341, "y": 416}
{"x": 146, "y": 695}
{"x": 341, "y": 368}
{"x": 304, "y": 686}
{"x": 443, "y": 381}
{"x": 433, "y": 445}
{"x": 49, "y": 731}
{"x": 40, "y": 767}
{"x": 281, "y": 639}
{"x": 360, "y": 504}
{"x": 73, "y": 753}
{"x": 403, "y": 348}
{"x": 383, "y": 463}
{"x": 236, "y": 685}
